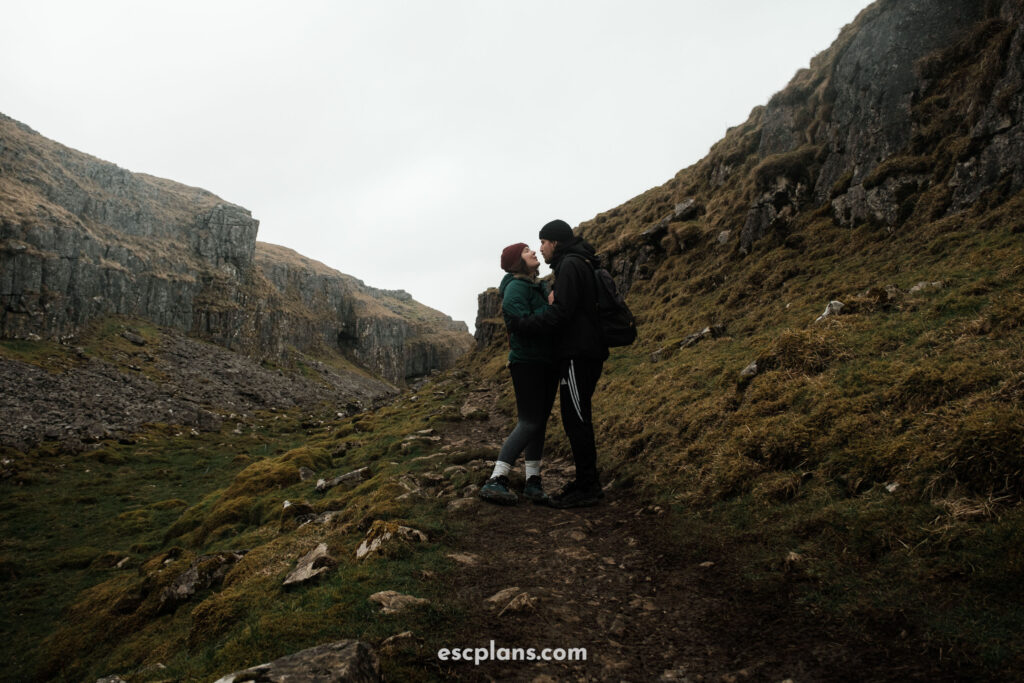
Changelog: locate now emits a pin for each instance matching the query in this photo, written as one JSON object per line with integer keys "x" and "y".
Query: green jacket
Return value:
{"x": 520, "y": 297}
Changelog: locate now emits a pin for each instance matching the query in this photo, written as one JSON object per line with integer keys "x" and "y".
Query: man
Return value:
{"x": 580, "y": 348}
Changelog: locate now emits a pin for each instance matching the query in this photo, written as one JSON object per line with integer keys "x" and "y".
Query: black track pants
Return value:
{"x": 576, "y": 389}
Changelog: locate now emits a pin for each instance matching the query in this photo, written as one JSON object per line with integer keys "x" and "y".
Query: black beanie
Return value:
{"x": 556, "y": 231}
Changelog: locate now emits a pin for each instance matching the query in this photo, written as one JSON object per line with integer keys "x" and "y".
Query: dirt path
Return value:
{"x": 611, "y": 579}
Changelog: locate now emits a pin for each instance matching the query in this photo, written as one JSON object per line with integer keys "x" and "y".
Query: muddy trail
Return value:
{"x": 620, "y": 580}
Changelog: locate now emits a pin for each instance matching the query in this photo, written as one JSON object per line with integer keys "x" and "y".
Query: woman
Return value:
{"x": 531, "y": 361}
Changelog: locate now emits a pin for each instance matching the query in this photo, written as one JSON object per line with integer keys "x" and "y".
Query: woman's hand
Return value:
{"x": 551, "y": 297}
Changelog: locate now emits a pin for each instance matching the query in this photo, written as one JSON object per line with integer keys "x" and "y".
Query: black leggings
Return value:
{"x": 535, "y": 386}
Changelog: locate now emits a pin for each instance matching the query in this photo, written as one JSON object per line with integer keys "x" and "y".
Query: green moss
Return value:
{"x": 78, "y": 557}
{"x": 799, "y": 165}
{"x": 264, "y": 475}
{"x": 898, "y": 166}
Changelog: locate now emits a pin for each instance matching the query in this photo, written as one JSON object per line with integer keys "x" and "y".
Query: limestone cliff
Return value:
{"x": 81, "y": 239}
{"x": 384, "y": 330}
{"x": 913, "y": 114}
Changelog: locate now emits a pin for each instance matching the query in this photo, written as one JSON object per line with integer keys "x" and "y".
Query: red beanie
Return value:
{"x": 512, "y": 255}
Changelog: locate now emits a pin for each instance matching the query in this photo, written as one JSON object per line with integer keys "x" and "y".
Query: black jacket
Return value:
{"x": 573, "y": 315}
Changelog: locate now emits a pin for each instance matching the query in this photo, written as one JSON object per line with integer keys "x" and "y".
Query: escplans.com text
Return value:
{"x": 478, "y": 655}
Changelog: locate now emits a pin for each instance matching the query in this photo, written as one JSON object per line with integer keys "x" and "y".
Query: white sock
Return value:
{"x": 532, "y": 468}
{"x": 501, "y": 469}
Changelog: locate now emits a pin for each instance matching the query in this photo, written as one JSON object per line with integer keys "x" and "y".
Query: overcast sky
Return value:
{"x": 406, "y": 143}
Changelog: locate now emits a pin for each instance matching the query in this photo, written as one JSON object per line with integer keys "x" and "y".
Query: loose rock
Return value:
{"x": 393, "y": 602}
{"x": 340, "y": 662}
{"x": 523, "y": 602}
{"x": 833, "y": 308}
{"x": 463, "y": 504}
{"x": 206, "y": 571}
{"x": 349, "y": 478}
{"x": 926, "y": 286}
{"x": 311, "y": 565}
{"x": 384, "y": 534}
{"x": 465, "y": 558}
{"x": 503, "y": 596}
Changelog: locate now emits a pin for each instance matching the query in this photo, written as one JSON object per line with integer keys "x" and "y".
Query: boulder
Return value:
{"x": 205, "y": 572}
{"x": 344, "y": 661}
{"x": 348, "y": 478}
{"x": 134, "y": 337}
{"x": 310, "y": 566}
{"x": 383, "y": 535}
{"x": 393, "y": 602}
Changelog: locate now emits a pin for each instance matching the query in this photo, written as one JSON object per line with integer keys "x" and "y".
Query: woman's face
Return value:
{"x": 530, "y": 258}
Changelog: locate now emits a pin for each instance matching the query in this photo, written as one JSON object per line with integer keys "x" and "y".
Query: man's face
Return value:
{"x": 547, "y": 249}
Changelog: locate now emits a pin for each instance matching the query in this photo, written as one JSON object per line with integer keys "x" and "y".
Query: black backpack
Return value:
{"x": 617, "y": 322}
{"x": 618, "y": 326}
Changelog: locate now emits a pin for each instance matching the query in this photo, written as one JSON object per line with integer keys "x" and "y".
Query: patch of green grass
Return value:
{"x": 68, "y": 516}
{"x": 50, "y": 356}
{"x": 235, "y": 625}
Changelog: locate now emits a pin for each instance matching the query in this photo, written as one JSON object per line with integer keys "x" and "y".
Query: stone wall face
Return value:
{"x": 857, "y": 130}
{"x": 81, "y": 239}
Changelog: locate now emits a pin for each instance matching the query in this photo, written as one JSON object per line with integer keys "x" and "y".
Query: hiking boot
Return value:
{"x": 496, "y": 490}
{"x": 574, "y": 495}
{"x": 535, "y": 492}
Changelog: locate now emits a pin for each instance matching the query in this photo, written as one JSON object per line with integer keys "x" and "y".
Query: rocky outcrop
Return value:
{"x": 81, "y": 239}
{"x": 915, "y": 95}
{"x": 913, "y": 114}
{"x": 490, "y": 325}
{"x": 384, "y": 535}
{"x": 386, "y": 331}
{"x": 345, "y": 661}
{"x": 310, "y": 566}
{"x": 393, "y": 602}
{"x": 205, "y": 571}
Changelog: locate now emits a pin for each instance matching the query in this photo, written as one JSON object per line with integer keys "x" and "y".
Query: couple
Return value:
{"x": 555, "y": 342}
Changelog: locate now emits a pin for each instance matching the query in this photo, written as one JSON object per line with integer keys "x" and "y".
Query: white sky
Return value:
{"x": 406, "y": 143}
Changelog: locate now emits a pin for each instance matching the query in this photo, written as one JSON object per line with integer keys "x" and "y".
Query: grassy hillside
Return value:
{"x": 863, "y": 470}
